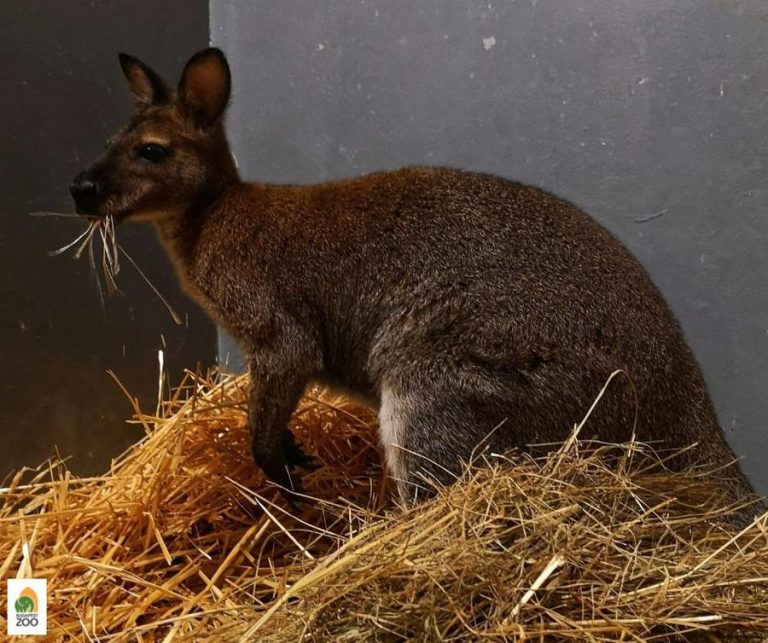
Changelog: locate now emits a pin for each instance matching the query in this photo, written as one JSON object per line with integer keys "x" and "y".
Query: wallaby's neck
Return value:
{"x": 179, "y": 231}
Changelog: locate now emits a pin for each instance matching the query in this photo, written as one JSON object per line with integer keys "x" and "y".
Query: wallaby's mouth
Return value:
{"x": 88, "y": 213}
{"x": 100, "y": 209}
{"x": 99, "y": 214}
{"x": 93, "y": 199}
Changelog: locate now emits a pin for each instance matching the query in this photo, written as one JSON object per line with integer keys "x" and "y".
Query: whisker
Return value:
{"x": 175, "y": 317}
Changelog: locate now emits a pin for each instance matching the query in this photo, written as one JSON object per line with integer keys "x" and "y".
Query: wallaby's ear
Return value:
{"x": 145, "y": 85}
{"x": 205, "y": 86}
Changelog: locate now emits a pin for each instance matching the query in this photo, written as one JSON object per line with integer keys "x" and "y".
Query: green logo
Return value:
{"x": 24, "y": 604}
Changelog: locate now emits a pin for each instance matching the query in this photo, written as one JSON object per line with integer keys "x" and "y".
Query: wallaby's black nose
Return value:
{"x": 85, "y": 192}
{"x": 83, "y": 188}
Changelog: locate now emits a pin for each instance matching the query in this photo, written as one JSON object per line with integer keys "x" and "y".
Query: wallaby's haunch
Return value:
{"x": 469, "y": 308}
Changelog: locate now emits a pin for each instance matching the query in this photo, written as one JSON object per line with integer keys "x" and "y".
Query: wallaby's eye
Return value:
{"x": 152, "y": 152}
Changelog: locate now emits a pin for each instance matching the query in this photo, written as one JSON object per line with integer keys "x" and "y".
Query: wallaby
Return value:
{"x": 473, "y": 311}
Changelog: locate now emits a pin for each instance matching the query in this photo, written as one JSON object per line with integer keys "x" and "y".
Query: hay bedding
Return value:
{"x": 184, "y": 540}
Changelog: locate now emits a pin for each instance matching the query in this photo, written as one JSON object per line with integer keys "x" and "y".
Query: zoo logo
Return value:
{"x": 26, "y": 608}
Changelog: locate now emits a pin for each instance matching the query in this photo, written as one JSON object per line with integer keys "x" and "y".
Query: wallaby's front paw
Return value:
{"x": 294, "y": 455}
{"x": 279, "y": 471}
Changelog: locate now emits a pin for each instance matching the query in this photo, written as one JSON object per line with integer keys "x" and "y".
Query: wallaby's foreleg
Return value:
{"x": 278, "y": 379}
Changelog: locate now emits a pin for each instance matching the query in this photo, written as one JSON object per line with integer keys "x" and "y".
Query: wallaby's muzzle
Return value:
{"x": 86, "y": 192}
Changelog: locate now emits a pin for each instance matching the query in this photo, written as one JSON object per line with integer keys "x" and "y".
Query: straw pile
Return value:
{"x": 183, "y": 539}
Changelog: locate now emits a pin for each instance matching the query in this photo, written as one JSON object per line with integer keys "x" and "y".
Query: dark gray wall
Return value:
{"x": 651, "y": 115}
{"x": 62, "y": 94}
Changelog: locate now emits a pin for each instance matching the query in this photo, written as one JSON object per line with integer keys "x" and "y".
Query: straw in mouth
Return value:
{"x": 110, "y": 254}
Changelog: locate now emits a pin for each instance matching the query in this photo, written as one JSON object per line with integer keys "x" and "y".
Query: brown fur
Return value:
{"x": 458, "y": 302}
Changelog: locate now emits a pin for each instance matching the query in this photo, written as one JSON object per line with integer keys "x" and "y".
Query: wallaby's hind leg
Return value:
{"x": 393, "y": 416}
{"x": 428, "y": 435}
{"x": 426, "y": 439}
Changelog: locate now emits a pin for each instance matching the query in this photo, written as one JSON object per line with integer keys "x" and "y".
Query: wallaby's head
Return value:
{"x": 172, "y": 154}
